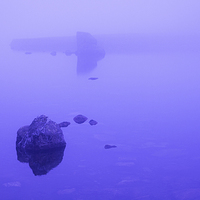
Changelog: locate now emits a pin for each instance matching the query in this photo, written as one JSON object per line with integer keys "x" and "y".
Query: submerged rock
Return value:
{"x": 79, "y": 119}
{"x": 42, "y": 134}
{"x": 107, "y": 146}
{"x": 92, "y": 122}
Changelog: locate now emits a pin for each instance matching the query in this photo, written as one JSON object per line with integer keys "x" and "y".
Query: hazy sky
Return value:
{"x": 28, "y": 18}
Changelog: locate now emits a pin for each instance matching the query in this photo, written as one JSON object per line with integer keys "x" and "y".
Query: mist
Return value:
{"x": 50, "y": 18}
{"x": 140, "y": 84}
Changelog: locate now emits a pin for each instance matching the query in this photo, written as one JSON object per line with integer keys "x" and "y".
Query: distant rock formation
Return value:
{"x": 42, "y": 134}
{"x": 88, "y": 52}
{"x": 84, "y": 46}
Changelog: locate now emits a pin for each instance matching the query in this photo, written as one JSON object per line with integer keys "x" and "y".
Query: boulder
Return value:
{"x": 79, "y": 119}
{"x": 41, "y": 134}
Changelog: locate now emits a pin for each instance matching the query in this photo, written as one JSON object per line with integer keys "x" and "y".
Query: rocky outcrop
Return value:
{"x": 88, "y": 52}
{"x": 42, "y": 134}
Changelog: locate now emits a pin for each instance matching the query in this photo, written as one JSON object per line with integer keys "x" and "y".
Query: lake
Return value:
{"x": 146, "y": 103}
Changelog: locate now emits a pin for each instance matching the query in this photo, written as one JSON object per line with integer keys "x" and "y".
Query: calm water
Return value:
{"x": 145, "y": 104}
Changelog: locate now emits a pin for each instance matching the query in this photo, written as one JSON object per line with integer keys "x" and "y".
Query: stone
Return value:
{"x": 79, "y": 119}
{"x": 92, "y": 78}
{"x": 92, "y": 122}
{"x": 88, "y": 52}
{"x": 41, "y": 134}
{"x": 64, "y": 124}
{"x": 107, "y": 146}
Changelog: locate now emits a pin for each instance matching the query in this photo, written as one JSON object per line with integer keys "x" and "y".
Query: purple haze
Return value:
{"x": 145, "y": 100}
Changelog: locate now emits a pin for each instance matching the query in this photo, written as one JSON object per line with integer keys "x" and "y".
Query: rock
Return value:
{"x": 92, "y": 122}
{"x": 64, "y": 124}
{"x": 88, "y": 52}
{"x": 92, "y": 78}
{"x": 42, "y": 134}
{"x": 107, "y": 146}
{"x": 79, "y": 119}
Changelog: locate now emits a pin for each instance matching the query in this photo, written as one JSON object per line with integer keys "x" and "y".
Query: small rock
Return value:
{"x": 64, "y": 124}
{"x": 79, "y": 119}
{"x": 92, "y": 122}
{"x": 107, "y": 146}
{"x": 92, "y": 78}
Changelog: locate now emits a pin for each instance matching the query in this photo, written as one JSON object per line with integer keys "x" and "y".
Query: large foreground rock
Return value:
{"x": 42, "y": 134}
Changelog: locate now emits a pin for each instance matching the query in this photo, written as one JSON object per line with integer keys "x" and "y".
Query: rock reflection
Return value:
{"x": 88, "y": 52}
{"x": 41, "y": 162}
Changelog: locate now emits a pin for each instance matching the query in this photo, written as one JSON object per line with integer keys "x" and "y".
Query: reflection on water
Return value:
{"x": 41, "y": 162}
{"x": 145, "y": 104}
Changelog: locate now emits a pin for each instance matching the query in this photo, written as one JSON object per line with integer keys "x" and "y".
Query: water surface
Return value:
{"x": 147, "y": 104}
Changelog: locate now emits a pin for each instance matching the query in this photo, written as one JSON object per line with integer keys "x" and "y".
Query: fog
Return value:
{"x": 59, "y": 18}
{"x": 143, "y": 93}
